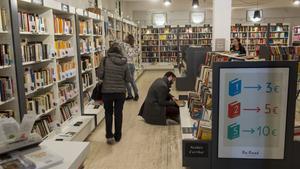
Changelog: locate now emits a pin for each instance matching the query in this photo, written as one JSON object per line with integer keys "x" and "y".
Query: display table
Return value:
{"x": 195, "y": 152}
{"x": 73, "y": 153}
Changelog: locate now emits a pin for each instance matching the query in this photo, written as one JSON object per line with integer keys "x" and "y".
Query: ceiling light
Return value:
{"x": 167, "y": 2}
{"x": 195, "y": 4}
{"x": 257, "y": 16}
{"x": 296, "y": 2}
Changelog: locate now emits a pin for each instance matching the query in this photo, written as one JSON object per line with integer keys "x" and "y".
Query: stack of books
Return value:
{"x": 30, "y": 22}
{"x": 67, "y": 91}
{"x": 87, "y": 80}
{"x": 84, "y": 28}
{"x": 43, "y": 126}
{"x": 68, "y": 109}
{"x": 86, "y": 64}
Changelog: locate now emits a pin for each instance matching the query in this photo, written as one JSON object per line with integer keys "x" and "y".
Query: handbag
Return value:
{"x": 97, "y": 91}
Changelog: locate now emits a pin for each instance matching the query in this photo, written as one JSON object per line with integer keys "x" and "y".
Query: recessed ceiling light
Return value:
{"x": 167, "y": 2}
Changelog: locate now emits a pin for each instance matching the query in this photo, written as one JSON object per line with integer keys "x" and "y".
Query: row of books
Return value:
{"x": 98, "y": 43}
{"x": 195, "y": 36}
{"x": 285, "y": 53}
{"x": 198, "y": 42}
{"x": 43, "y": 126}
{"x": 278, "y": 41}
{"x": 65, "y": 70}
{"x": 67, "y": 110}
{"x": 6, "y": 88}
{"x": 97, "y": 28}
{"x": 239, "y": 28}
{"x": 40, "y": 104}
{"x": 279, "y": 28}
{"x": 63, "y": 48}
{"x": 30, "y": 22}
{"x": 34, "y": 51}
{"x": 62, "y": 25}
{"x": 279, "y": 35}
{"x": 195, "y": 30}
{"x": 3, "y": 19}
{"x": 67, "y": 91}
{"x": 150, "y": 37}
{"x": 168, "y": 48}
{"x": 86, "y": 63}
{"x": 152, "y": 43}
{"x": 168, "y": 37}
{"x": 85, "y": 45}
{"x": 212, "y": 57}
{"x": 7, "y": 114}
{"x": 37, "y": 79}
{"x": 87, "y": 80}
{"x": 84, "y": 27}
{"x": 5, "y": 59}
{"x": 258, "y": 35}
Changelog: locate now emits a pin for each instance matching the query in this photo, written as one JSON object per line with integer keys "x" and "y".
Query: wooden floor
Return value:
{"x": 143, "y": 146}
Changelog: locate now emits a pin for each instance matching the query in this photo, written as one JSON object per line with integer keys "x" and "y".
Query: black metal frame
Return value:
{"x": 17, "y": 58}
{"x": 219, "y": 163}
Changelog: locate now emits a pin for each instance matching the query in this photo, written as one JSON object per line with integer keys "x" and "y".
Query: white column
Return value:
{"x": 222, "y": 21}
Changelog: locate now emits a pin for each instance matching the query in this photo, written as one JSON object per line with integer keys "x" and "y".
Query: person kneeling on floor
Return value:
{"x": 160, "y": 107}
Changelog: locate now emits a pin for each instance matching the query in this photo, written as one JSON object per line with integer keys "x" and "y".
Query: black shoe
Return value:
{"x": 136, "y": 98}
{"x": 129, "y": 98}
{"x": 117, "y": 139}
{"x": 110, "y": 141}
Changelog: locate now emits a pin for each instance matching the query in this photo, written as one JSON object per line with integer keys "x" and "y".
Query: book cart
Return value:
{"x": 200, "y": 143}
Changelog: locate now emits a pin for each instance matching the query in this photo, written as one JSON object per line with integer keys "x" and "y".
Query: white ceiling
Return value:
{"x": 186, "y": 4}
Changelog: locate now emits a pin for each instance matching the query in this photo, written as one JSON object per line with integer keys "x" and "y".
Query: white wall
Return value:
{"x": 275, "y": 15}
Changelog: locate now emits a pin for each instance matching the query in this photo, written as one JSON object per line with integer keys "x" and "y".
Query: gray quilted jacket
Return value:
{"x": 116, "y": 73}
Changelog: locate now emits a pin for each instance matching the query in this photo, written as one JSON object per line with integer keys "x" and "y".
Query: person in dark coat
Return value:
{"x": 114, "y": 74}
{"x": 237, "y": 47}
{"x": 159, "y": 104}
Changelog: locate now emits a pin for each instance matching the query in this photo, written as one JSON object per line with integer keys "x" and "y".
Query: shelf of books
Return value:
{"x": 296, "y": 35}
{"x": 165, "y": 44}
{"x": 48, "y": 44}
{"x": 110, "y": 37}
{"x": 118, "y": 29}
{"x": 8, "y": 92}
{"x": 252, "y": 36}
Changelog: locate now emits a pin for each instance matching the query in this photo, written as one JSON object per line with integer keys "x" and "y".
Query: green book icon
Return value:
{"x": 233, "y": 131}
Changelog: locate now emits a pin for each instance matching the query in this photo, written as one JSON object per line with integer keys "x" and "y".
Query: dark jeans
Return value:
{"x": 113, "y": 104}
{"x": 172, "y": 112}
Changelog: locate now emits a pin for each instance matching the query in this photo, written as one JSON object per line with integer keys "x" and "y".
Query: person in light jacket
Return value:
{"x": 114, "y": 74}
{"x": 160, "y": 106}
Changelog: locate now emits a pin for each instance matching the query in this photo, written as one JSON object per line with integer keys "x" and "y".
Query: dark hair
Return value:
{"x": 238, "y": 39}
{"x": 130, "y": 38}
{"x": 115, "y": 48}
{"x": 168, "y": 74}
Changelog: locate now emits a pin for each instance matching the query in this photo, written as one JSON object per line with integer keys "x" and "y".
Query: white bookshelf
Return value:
{"x": 8, "y": 70}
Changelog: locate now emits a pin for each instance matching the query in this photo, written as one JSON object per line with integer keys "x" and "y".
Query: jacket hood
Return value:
{"x": 117, "y": 59}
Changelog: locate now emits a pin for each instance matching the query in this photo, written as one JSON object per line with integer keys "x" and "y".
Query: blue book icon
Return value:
{"x": 233, "y": 131}
{"x": 235, "y": 87}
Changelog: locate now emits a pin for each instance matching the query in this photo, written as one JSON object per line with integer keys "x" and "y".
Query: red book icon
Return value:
{"x": 234, "y": 109}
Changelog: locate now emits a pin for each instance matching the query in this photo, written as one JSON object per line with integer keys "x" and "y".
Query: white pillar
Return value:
{"x": 222, "y": 21}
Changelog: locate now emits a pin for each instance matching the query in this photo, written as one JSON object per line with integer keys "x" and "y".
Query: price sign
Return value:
{"x": 255, "y": 107}
{"x": 65, "y": 7}
{"x": 39, "y": 2}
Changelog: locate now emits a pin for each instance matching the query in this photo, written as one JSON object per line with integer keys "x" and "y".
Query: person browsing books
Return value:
{"x": 237, "y": 47}
{"x": 160, "y": 107}
{"x": 130, "y": 52}
{"x": 115, "y": 74}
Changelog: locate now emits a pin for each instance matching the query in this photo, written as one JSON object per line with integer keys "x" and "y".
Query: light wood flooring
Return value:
{"x": 143, "y": 146}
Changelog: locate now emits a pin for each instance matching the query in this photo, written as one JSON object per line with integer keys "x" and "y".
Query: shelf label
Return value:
{"x": 252, "y": 112}
{"x": 196, "y": 149}
{"x": 65, "y": 7}
{"x": 39, "y": 2}
{"x": 85, "y": 13}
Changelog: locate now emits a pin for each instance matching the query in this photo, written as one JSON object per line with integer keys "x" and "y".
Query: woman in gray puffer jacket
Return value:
{"x": 115, "y": 74}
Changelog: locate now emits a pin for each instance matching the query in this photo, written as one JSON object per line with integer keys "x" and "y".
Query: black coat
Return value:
{"x": 158, "y": 98}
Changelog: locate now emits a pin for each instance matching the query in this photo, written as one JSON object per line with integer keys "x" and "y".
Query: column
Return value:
{"x": 222, "y": 22}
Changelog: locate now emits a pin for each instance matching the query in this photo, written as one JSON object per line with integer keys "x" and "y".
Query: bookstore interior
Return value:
{"x": 235, "y": 62}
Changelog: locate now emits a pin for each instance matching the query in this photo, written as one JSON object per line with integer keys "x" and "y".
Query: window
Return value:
{"x": 197, "y": 17}
{"x": 159, "y": 19}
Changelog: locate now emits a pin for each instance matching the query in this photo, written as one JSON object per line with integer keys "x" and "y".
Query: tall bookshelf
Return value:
{"x": 8, "y": 80}
{"x": 261, "y": 34}
{"x": 166, "y": 44}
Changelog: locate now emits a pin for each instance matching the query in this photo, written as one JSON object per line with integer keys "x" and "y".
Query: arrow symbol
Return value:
{"x": 257, "y": 109}
{"x": 249, "y": 131}
{"x": 258, "y": 87}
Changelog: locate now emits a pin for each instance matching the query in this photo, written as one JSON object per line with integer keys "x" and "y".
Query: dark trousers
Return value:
{"x": 113, "y": 104}
{"x": 172, "y": 112}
